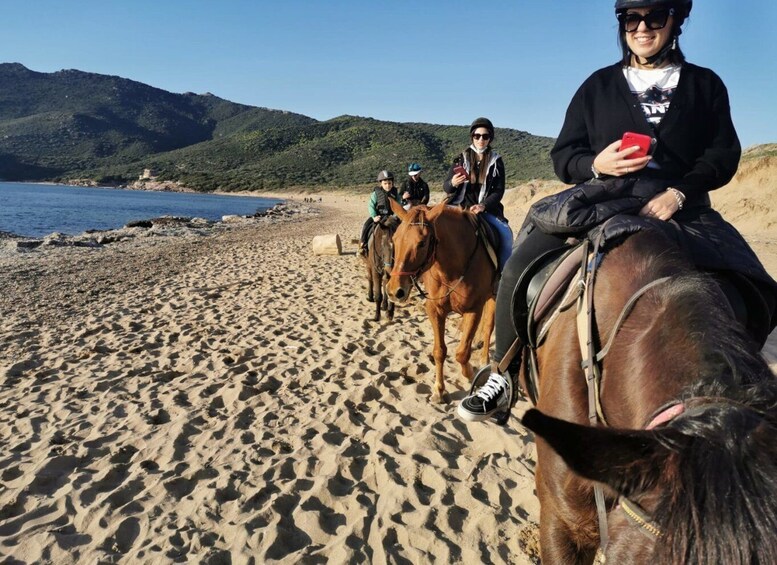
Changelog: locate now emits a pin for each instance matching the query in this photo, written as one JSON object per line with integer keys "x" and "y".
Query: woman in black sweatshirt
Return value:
{"x": 685, "y": 110}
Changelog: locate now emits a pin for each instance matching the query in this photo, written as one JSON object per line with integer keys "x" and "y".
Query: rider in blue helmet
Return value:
{"x": 414, "y": 189}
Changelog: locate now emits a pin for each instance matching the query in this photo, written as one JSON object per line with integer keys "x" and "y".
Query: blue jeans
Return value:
{"x": 505, "y": 237}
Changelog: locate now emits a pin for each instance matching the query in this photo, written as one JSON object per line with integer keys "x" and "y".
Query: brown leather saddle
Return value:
{"x": 540, "y": 287}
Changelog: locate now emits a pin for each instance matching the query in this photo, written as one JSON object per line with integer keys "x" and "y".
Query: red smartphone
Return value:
{"x": 460, "y": 170}
{"x": 644, "y": 142}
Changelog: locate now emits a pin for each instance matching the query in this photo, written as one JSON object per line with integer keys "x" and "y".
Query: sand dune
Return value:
{"x": 226, "y": 399}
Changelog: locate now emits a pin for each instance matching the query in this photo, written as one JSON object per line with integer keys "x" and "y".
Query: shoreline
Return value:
{"x": 271, "y": 203}
{"x": 162, "y": 226}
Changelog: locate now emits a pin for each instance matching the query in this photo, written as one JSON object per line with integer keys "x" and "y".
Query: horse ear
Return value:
{"x": 630, "y": 461}
{"x": 437, "y": 209}
{"x": 397, "y": 209}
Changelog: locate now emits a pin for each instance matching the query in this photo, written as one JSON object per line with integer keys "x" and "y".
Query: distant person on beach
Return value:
{"x": 476, "y": 182}
{"x": 379, "y": 206}
{"x": 682, "y": 111}
{"x": 414, "y": 190}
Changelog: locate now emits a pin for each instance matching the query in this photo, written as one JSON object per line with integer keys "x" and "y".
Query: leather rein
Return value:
{"x": 591, "y": 365}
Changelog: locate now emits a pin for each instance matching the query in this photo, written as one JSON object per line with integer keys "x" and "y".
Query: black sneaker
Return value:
{"x": 492, "y": 398}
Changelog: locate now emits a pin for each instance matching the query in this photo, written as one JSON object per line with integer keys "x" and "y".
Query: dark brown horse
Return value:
{"x": 440, "y": 247}
{"x": 689, "y": 458}
{"x": 379, "y": 260}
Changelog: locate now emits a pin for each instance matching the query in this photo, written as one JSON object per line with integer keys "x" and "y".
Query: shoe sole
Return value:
{"x": 468, "y": 416}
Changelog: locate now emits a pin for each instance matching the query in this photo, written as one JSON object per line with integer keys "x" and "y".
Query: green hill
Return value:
{"x": 76, "y": 125}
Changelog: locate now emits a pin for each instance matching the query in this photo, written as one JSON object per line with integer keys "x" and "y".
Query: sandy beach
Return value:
{"x": 226, "y": 398}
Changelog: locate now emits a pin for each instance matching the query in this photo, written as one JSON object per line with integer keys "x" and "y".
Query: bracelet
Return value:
{"x": 596, "y": 173}
{"x": 679, "y": 196}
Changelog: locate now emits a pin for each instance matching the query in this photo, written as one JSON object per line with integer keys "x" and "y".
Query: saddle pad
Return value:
{"x": 557, "y": 282}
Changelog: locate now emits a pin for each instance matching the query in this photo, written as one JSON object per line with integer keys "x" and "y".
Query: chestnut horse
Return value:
{"x": 379, "y": 260}
{"x": 688, "y": 457}
{"x": 440, "y": 247}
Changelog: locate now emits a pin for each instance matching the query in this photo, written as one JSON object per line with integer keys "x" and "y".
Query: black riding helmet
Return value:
{"x": 621, "y": 5}
{"x": 681, "y": 10}
{"x": 482, "y": 123}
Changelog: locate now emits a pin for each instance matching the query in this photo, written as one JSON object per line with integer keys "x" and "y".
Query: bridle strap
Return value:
{"x": 414, "y": 275}
{"x": 452, "y": 288}
{"x": 591, "y": 363}
{"x": 379, "y": 261}
{"x": 429, "y": 255}
{"x": 637, "y": 514}
{"x": 625, "y": 313}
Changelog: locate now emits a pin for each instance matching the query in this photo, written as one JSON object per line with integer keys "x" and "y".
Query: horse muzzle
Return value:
{"x": 398, "y": 289}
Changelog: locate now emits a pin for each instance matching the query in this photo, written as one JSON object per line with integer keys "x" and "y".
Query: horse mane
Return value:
{"x": 725, "y": 351}
{"x": 706, "y": 340}
{"x": 721, "y": 503}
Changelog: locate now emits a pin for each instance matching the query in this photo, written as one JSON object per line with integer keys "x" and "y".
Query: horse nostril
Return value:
{"x": 400, "y": 294}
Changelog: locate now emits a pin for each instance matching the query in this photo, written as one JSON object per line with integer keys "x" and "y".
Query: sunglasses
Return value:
{"x": 485, "y": 136}
{"x": 655, "y": 19}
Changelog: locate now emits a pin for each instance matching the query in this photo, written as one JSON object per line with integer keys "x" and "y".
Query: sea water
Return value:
{"x": 35, "y": 210}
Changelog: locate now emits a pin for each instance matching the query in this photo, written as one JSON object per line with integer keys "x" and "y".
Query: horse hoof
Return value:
{"x": 370, "y": 298}
{"x": 438, "y": 398}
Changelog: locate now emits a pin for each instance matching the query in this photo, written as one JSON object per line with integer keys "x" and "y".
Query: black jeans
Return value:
{"x": 369, "y": 224}
{"x": 530, "y": 244}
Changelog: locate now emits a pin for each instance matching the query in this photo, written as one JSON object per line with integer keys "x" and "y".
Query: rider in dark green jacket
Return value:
{"x": 379, "y": 206}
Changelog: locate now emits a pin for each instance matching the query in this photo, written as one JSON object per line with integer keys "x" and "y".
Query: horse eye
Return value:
{"x": 421, "y": 244}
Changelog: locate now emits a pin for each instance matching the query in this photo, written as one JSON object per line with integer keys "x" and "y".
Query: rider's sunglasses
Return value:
{"x": 485, "y": 136}
{"x": 655, "y": 19}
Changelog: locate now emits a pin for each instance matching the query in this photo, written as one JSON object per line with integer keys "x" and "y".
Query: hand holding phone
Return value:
{"x": 644, "y": 142}
{"x": 459, "y": 170}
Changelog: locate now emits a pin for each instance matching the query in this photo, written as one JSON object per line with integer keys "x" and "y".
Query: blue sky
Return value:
{"x": 517, "y": 62}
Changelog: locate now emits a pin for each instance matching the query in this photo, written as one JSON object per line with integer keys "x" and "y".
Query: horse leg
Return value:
{"x": 370, "y": 290}
{"x": 469, "y": 325}
{"x": 440, "y": 351}
{"x": 389, "y": 303}
{"x": 384, "y": 303}
{"x": 487, "y": 327}
{"x": 378, "y": 290}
